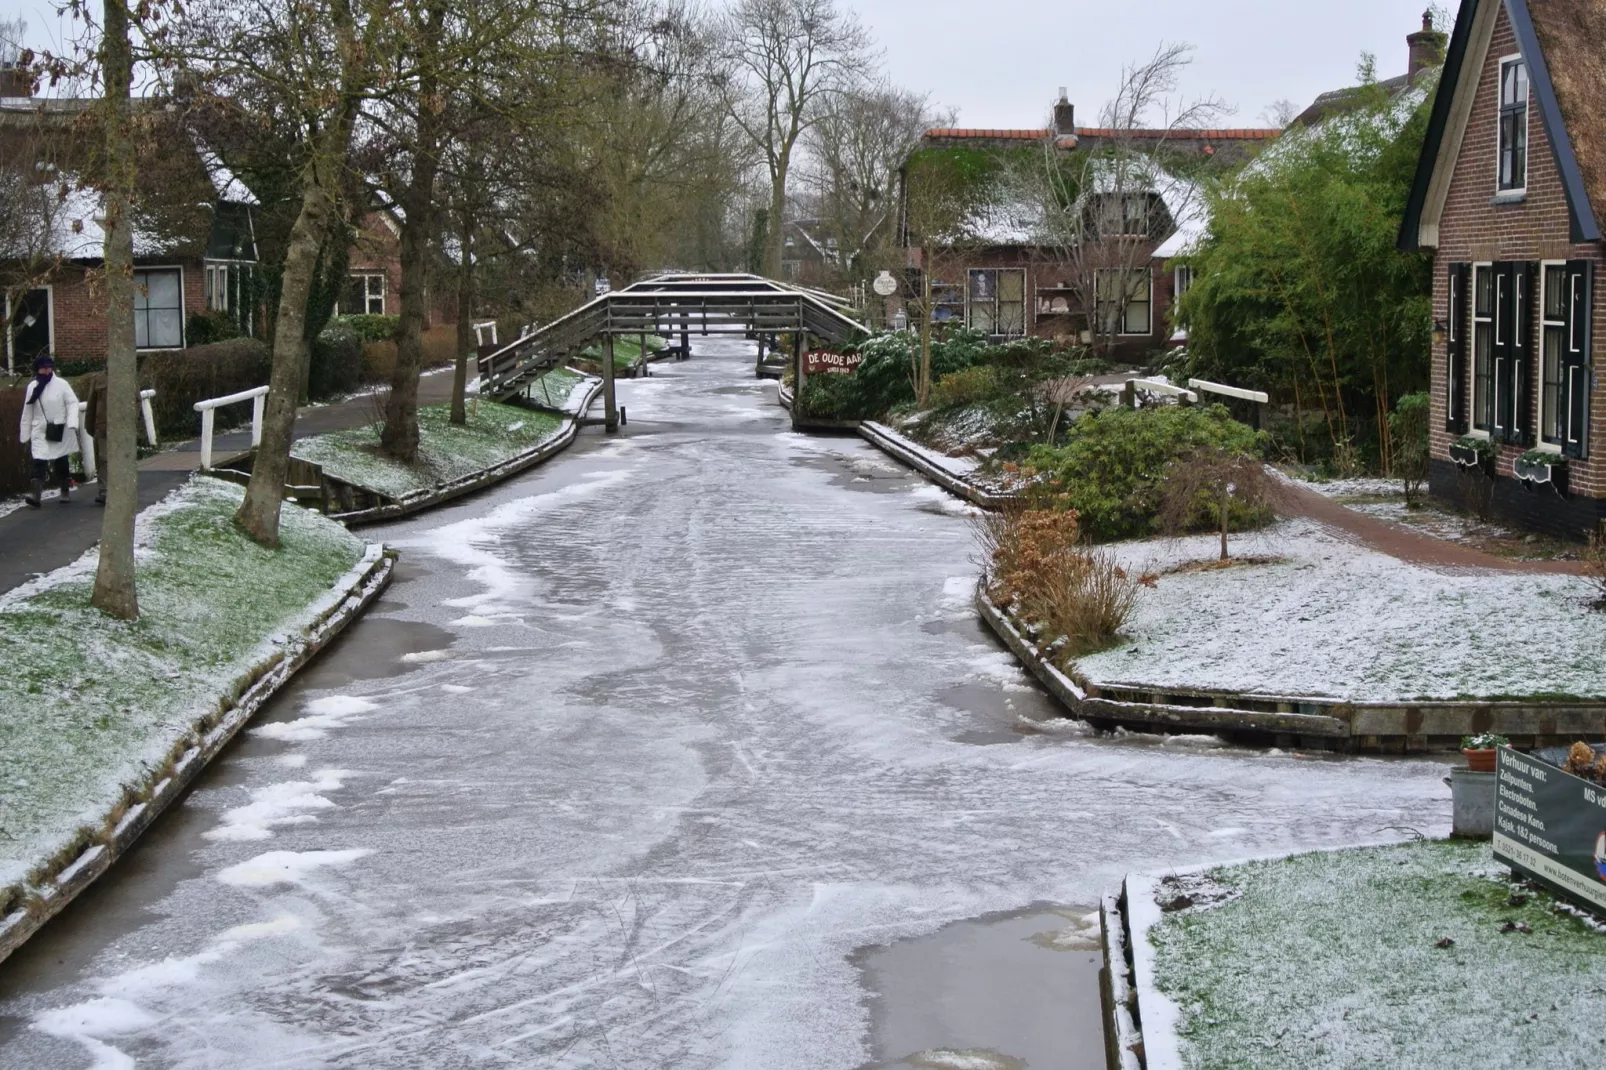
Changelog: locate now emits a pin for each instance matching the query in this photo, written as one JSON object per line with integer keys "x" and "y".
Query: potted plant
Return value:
{"x": 1480, "y": 749}
{"x": 1469, "y": 451}
{"x": 1538, "y": 468}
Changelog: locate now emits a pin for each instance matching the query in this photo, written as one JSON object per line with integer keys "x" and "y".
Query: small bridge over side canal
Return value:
{"x": 676, "y": 304}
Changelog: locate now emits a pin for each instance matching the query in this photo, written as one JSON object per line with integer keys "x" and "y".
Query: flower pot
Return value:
{"x": 1480, "y": 761}
{"x": 1534, "y": 475}
{"x": 1471, "y": 458}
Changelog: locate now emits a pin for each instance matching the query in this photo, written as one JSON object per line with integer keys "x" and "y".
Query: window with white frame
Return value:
{"x": 158, "y": 308}
{"x": 997, "y": 301}
{"x": 1182, "y": 282}
{"x": 1483, "y": 334}
{"x": 1553, "y": 355}
{"x": 1124, "y": 214}
{"x": 1513, "y": 168}
{"x": 365, "y": 294}
{"x": 1125, "y": 301}
{"x": 217, "y": 287}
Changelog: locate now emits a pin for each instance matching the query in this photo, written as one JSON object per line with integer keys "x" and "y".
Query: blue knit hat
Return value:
{"x": 44, "y": 360}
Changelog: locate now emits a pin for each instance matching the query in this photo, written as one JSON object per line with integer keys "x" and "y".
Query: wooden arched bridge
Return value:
{"x": 673, "y": 304}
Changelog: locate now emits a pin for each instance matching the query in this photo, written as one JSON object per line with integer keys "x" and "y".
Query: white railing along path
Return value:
{"x": 1229, "y": 391}
{"x": 208, "y": 410}
{"x": 86, "y": 437}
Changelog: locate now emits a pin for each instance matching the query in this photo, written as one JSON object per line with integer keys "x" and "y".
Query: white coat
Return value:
{"x": 57, "y": 404}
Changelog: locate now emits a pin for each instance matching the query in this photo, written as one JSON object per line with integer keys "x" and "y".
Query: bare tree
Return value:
{"x": 788, "y": 58}
{"x": 1098, "y": 211}
{"x": 856, "y": 148}
{"x": 1217, "y": 487}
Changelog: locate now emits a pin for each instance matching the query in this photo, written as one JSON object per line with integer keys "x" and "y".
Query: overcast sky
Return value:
{"x": 1001, "y": 62}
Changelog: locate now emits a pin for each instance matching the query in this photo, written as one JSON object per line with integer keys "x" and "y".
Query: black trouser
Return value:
{"x": 42, "y": 470}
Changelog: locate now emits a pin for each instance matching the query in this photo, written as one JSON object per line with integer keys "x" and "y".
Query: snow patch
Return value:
{"x": 275, "y": 805}
{"x": 286, "y": 867}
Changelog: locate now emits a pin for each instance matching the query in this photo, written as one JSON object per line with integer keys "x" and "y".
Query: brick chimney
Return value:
{"x": 1064, "y": 116}
{"x": 16, "y": 82}
{"x": 1427, "y": 49}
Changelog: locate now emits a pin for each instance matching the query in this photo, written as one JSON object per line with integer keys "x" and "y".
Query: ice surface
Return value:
{"x": 653, "y": 837}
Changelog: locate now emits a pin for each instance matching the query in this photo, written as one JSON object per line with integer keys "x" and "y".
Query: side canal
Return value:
{"x": 686, "y": 750}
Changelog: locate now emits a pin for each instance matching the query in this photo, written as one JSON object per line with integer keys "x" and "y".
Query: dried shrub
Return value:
{"x": 440, "y": 345}
{"x": 1594, "y": 562}
{"x": 967, "y": 386}
{"x": 1072, "y": 592}
{"x": 378, "y": 361}
{"x": 1215, "y": 489}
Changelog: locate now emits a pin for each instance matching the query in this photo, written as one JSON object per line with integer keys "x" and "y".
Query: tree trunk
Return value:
{"x": 258, "y": 515}
{"x": 775, "y": 238}
{"x": 114, "y": 592}
{"x": 465, "y": 327}
{"x": 399, "y": 439}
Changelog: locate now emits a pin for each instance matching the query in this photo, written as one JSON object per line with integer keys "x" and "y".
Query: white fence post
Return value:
{"x": 150, "y": 416}
{"x": 208, "y": 409}
{"x": 86, "y": 443}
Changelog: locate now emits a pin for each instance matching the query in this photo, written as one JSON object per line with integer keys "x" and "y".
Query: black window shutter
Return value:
{"x": 1577, "y": 368}
{"x": 1456, "y": 349}
{"x": 1523, "y": 348}
{"x": 1505, "y": 290}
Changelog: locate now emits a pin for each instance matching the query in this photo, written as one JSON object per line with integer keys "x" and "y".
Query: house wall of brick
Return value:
{"x": 78, "y": 306}
{"x": 1474, "y": 229}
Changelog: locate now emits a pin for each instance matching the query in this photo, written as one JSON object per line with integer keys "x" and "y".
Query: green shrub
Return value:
{"x": 183, "y": 377}
{"x": 336, "y": 362}
{"x": 204, "y": 328}
{"x": 968, "y": 386}
{"x": 369, "y": 328}
{"x": 1113, "y": 462}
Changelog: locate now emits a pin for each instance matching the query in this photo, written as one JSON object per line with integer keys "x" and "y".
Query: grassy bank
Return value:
{"x": 495, "y": 433}
{"x": 1397, "y": 956}
{"x": 93, "y": 705}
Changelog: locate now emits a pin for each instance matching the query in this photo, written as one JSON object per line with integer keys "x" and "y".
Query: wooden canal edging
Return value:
{"x": 901, "y": 449}
{"x": 208, "y": 735}
{"x": 1309, "y": 722}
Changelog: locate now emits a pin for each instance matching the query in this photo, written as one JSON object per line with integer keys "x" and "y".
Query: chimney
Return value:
{"x": 1427, "y": 49}
{"x": 1064, "y": 116}
{"x": 16, "y": 82}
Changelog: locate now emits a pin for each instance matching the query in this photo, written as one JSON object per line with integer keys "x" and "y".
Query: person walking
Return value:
{"x": 49, "y": 425}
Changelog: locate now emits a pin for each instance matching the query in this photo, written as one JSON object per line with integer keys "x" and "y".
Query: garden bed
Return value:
{"x": 495, "y": 434}
{"x": 1424, "y": 955}
{"x": 1329, "y": 618}
{"x": 107, "y": 720}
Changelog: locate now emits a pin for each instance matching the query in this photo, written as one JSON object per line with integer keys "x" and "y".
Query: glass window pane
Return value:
{"x": 1011, "y": 285}
{"x": 982, "y": 286}
{"x": 1483, "y": 289}
{"x": 166, "y": 328}
{"x": 1482, "y": 376}
{"x": 1011, "y": 318}
{"x": 1555, "y": 291}
{"x": 1551, "y": 396}
{"x": 1137, "y": 317}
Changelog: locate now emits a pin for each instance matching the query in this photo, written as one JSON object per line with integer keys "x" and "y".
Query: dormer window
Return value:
{"x": 1513, "y": 176}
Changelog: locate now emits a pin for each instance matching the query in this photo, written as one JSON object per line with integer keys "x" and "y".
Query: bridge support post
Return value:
{"x": 610, "y": 404}
{"x": 685, "y": 336}
{"x": 797, "y": 377}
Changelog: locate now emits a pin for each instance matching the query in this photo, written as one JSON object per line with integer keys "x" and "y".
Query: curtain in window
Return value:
{"x": 158, "y": 309}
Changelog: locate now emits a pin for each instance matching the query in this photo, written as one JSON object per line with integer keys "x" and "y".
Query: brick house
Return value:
{"x": 1007, "y": 280}
{"x": 1507, "y": 195}
{"x": 194, "y": 236}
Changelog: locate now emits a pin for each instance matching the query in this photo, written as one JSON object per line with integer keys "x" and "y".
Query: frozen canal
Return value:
{"x": 683, "y": 751}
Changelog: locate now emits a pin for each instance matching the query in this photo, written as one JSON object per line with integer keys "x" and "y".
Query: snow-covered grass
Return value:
{"x": 1332, "y": 618}
{"x": 495, "y": 433}
{"x": 92, "y": 706}
{"x": 1391, "y": 956}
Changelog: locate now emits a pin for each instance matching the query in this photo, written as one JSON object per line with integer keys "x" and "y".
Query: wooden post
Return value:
{"x": 797, "y": 376}
{"x": 611, "y": 423}
{"x": 685, "y": 336}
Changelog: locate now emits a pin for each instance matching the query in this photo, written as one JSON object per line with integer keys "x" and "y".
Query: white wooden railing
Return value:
{"x": 208, "y": 410}
{"x": 1229, "y": 391}
{"x": 1154, "y": 386}
{"x": 86, "y": 436}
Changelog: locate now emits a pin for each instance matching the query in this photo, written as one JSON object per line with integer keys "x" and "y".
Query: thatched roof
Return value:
{"x": 1571, "y": 34}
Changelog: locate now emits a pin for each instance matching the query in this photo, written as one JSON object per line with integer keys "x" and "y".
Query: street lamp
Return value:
{"x": 900, "y": 320}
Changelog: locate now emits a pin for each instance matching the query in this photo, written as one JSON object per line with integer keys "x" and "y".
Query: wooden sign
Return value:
{"x": 820, "y": 362}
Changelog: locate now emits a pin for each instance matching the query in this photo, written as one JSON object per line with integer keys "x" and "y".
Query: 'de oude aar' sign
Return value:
{"x": 820, "y": 362}
{"x": 1551, "y": 826}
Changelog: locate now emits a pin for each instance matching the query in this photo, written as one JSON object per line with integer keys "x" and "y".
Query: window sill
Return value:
{"x": 1511, "y": 196}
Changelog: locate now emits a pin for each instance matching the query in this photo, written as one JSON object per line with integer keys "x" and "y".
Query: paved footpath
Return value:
{"x": 1401, "y": 542}
{"x": 38, "y": 541}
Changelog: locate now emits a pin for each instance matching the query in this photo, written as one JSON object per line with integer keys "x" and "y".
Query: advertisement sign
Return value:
{"x": 885, "y": 285}
{"x": 1551, "y": 826}
{"x": 820, "y": 362}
